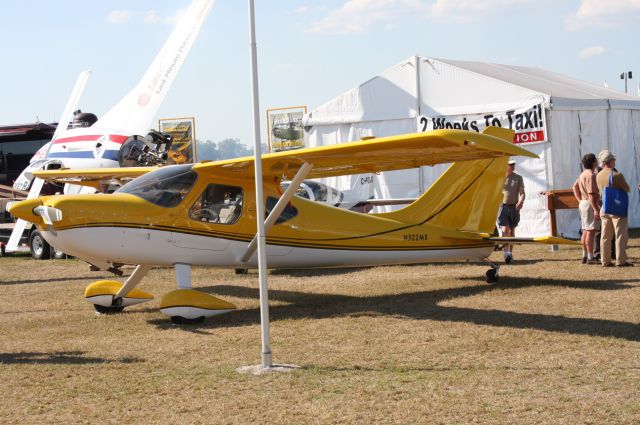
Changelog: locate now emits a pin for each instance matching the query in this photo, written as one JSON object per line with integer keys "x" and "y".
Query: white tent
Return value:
{"x": 555, "y": 116}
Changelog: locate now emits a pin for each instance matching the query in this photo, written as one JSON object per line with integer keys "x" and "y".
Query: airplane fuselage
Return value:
{"x": 125, "y": 228}
{"x": 88, "y": 148}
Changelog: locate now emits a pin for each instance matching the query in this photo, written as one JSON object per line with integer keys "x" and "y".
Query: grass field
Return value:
{"x": 554, "y": 342}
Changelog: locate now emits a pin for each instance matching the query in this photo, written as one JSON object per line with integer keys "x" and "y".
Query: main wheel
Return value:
{"x": 491, "y": 276}
{"x": 179, "y": 320}
{"x": 108, "y": 310}
{"x": 40, "y": 249}
{"x": 241, "y": 271}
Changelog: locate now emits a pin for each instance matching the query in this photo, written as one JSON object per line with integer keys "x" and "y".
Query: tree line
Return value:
{"x": 225, "y": 149}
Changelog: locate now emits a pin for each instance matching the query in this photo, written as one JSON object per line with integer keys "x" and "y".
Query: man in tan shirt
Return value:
{"x": 612, "y": 225}
{"x": 512, "y": 201}
{"x": 586, "y": 192}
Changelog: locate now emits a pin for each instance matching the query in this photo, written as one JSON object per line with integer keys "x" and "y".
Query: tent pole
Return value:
{"x": 260, "y": 208}
{"x": 419, "y": 112}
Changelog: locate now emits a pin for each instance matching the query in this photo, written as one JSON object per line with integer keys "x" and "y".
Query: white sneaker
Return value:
{"x": 508, "y": 257}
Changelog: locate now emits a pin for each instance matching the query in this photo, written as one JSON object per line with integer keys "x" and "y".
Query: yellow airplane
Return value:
{"x": 205, "y": 215}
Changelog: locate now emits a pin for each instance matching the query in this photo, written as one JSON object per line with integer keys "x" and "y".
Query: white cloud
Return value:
{"x": 359, "y": 15}
{"x": 465, "y": 10}
{"x": 604, "y": 14}
{"x": 590, "y": 52}
{"x": 118, "y": 16}
{"x": 151, "y": 17}
{"x": 172, "y": 20}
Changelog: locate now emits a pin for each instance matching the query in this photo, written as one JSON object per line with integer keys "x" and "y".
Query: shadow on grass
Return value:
{"x": 347, "y": 270}
{"x": 60, "y": 358}
{"x": 513, "y": 282}
{"x": 403, "y": 369}
{"x": 316, "y": 272}
{"x": 423, "y": 305}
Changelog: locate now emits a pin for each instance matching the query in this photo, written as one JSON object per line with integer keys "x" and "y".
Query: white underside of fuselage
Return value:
{"x": 163, "y": 248}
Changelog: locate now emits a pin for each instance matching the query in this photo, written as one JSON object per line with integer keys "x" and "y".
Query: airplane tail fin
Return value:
{"x": 465, "y": 197}
{"x": 135, "y": 112}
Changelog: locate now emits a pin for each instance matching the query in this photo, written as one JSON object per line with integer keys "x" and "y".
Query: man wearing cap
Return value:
{"x": 512, "y": 200}
{"x": 612, "y": 224}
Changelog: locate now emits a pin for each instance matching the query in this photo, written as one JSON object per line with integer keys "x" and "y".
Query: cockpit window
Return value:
{"x": 218, "y": 204}
{"x": 287, "y": 214}
{"x": 165, "y": 187}
{"x": 316, "y": 191}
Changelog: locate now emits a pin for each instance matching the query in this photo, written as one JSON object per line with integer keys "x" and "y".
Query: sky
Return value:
{"x": 308, "y": 51}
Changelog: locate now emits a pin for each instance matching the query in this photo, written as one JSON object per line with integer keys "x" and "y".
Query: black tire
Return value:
{"x": 108, "y": 310}
{"x": 57, "y": 254}
{"x": 40, "y": 249}
{"x": 491, "y": 276}
{"x": 179, "y": 320}
{"x": 241, "y": 271}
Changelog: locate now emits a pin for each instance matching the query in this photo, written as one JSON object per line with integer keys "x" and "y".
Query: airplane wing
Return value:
{"x": 366, "y": 156}
{"x": 93, "y": 177}
{"x": 378, "y": 154}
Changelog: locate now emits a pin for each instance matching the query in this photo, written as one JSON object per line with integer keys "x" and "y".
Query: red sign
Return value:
{"x": 529, "y": 137}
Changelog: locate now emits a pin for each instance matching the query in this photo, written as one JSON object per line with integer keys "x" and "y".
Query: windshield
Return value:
{"x": 165, "y": 187}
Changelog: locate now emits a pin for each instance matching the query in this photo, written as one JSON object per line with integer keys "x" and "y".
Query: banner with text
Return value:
{"x": 529, "y": 123}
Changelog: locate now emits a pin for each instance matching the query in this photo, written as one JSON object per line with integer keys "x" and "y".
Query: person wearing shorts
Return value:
{"x": 512, "y": 201}
{"x": 585, "y": 189}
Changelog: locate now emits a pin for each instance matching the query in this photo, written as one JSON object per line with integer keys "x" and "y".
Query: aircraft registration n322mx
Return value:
{"x": 204, "y": 214}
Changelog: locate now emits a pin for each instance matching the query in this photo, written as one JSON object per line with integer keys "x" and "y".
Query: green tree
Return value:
{"x": 232, "y": 148}
{"x": 207, "y": 150}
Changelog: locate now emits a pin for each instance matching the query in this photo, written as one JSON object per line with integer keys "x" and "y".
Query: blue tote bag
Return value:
{"x": 614, "y": 201}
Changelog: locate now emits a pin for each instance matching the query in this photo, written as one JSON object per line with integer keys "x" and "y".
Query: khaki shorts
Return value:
{"x": 587, "y": 216}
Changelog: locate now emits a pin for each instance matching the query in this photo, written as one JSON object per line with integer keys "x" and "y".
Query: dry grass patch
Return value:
{"x": 554, "y": 342}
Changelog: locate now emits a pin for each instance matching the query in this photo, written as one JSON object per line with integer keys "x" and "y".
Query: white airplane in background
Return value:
{"x": 104, "y": 143}
{"x": 98, "y": 145}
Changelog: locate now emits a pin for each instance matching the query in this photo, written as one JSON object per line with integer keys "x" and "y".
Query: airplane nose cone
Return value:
{"x": 24, "y": 210}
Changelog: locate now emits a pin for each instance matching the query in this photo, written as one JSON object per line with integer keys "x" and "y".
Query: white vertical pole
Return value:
{"x": 260, "y": 209}
{"x": 417, "y": 59}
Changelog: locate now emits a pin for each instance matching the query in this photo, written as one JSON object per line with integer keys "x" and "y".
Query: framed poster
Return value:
{"x": 285, "y": 130}
{"x": 183, "y": 131}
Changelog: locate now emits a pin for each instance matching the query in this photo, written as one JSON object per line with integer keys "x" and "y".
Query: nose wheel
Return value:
{"x": 491, "y": 276}
{"x": 106, "y": 299}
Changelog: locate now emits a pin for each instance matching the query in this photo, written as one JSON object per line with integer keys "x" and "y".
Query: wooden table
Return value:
{"x": 561, "y": 199}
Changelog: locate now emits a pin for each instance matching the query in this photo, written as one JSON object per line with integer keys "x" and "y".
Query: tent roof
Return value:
{"x": 452, "y": 87}
{"x": 543, "y": 81}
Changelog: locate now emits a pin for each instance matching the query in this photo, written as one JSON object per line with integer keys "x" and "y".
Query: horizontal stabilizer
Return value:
{"x": 547, "y": 240}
